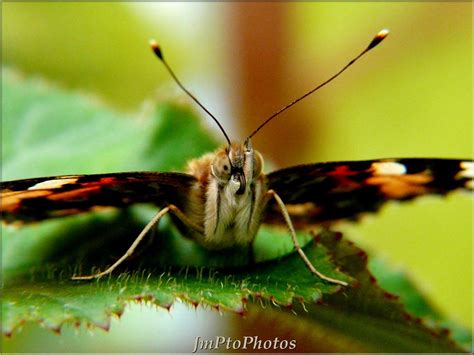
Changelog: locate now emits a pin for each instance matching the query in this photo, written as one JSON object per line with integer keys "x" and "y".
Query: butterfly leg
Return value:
{"x": 171, "y": 208}
{"x": 286, "y": 216}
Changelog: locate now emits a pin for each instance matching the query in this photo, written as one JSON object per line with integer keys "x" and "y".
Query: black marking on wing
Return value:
{"x": 333, "y": 191}
{"x": 49, "y": 197}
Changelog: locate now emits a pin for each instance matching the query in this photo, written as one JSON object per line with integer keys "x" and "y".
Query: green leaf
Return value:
{"x": 362, "y": 319}
{"x": 49, "y": 132}
{"x": 48, "y": 296}
{"x": 415, "y": 303}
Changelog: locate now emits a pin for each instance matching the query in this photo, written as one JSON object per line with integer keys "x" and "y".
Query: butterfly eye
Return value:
{"x": 221, "y": 166}
{"x": 257, "y": 164}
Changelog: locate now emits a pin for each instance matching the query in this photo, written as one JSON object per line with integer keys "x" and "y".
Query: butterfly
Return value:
{"x": 224, "y": 196}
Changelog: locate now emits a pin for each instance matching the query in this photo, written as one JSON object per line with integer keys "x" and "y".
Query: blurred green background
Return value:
{"x": 410, "y": 97}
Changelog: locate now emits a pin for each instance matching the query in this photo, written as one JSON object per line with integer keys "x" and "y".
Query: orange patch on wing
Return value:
{"x": 11, "y": 200}
{"x": 74, "y": 194}
{"x": 302, "y": 209}
{"x": 401, "y": 186}
{"x": 106, "y": 181}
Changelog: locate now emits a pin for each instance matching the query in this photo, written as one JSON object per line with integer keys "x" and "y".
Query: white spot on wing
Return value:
{"x": 52, "y": 184}
{"x": 389, "y": 168}
{"x": 467, "y": 170}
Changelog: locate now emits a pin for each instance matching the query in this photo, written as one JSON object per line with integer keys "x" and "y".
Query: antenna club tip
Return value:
{"x": 156, "y": 48}
{"x": 379, "y": 37}
{"x": 383, "y": 33}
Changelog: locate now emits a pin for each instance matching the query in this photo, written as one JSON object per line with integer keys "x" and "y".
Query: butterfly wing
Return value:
{"x": 332, "y": 191}
{"x": 41, "y": 198}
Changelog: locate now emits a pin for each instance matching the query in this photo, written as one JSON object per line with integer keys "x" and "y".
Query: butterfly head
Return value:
{"x": 237, "y": 165}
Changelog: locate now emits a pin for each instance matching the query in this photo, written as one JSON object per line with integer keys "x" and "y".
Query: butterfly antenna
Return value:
{"x": 379, "y": 37}
{"x": 156, "y": 49}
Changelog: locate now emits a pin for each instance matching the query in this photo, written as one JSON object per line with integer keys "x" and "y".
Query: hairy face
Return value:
{"x": 237, "y": 164}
